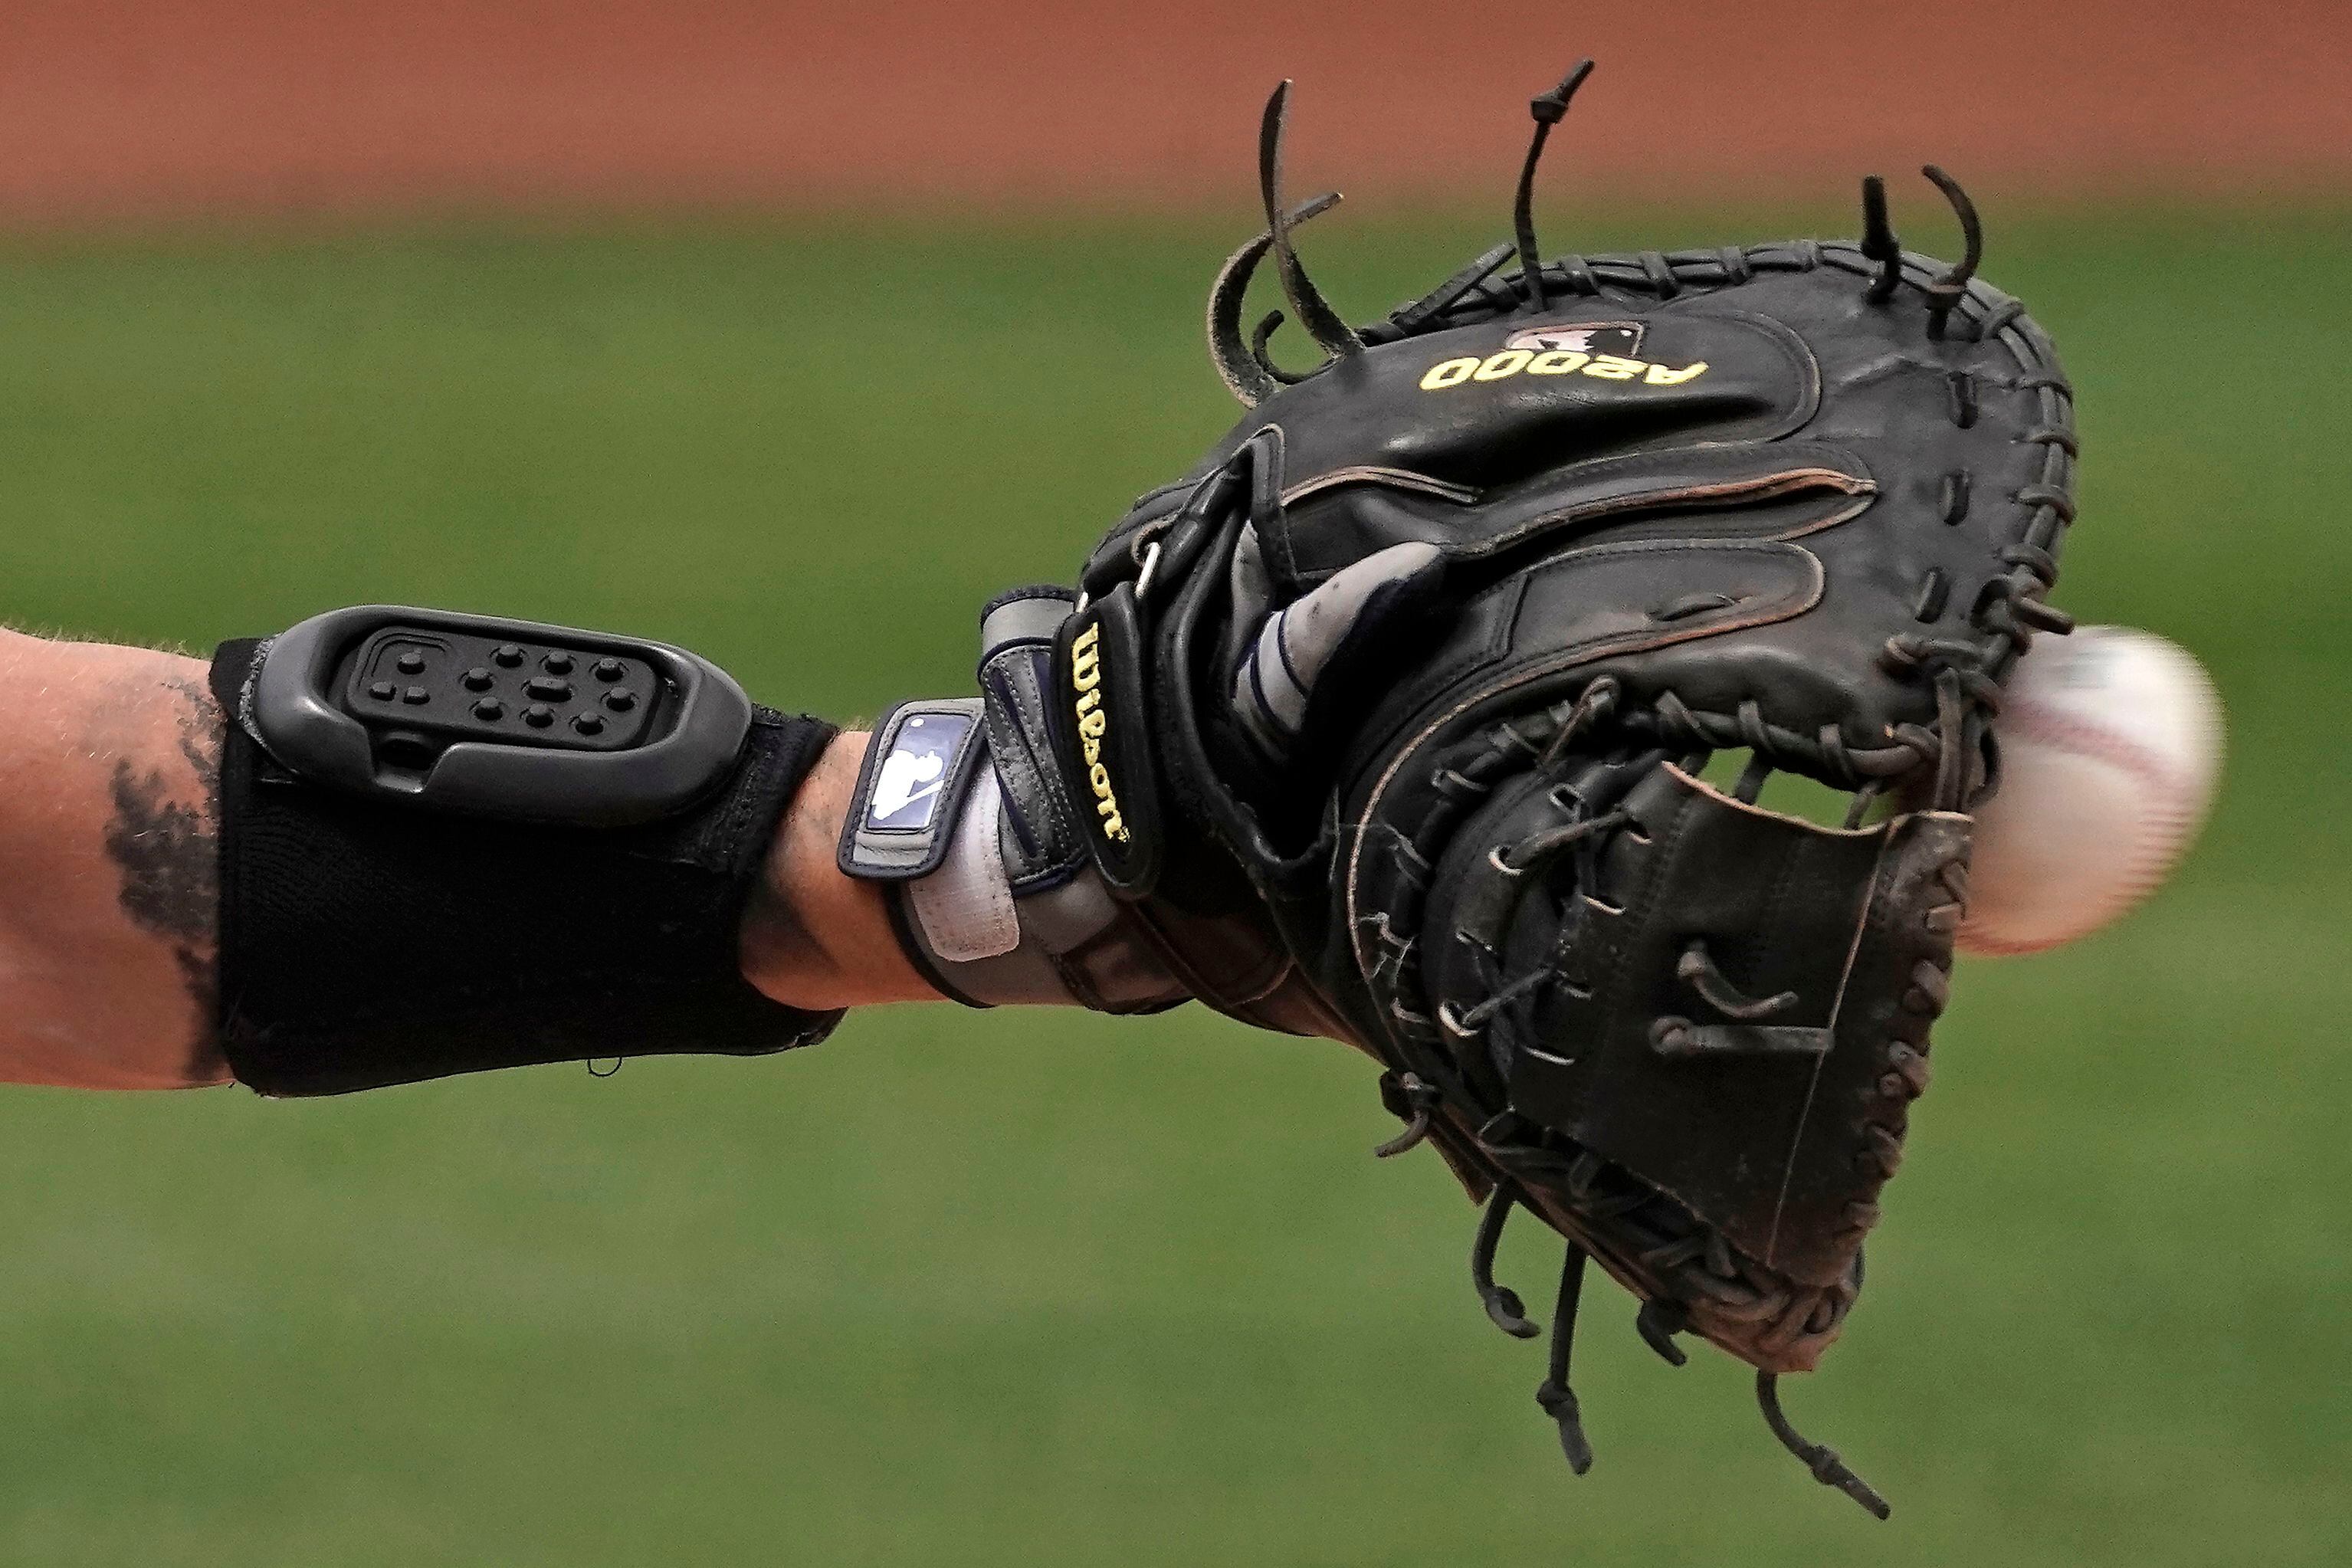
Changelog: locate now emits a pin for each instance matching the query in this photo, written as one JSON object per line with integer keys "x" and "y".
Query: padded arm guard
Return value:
{"x": 437, "y": 858}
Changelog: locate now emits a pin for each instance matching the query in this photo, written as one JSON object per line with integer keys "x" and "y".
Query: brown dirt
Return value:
{"x": 148, "y": 105}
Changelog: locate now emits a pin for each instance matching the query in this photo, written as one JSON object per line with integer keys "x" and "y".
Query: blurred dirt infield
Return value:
{"x": 145, "y": 107}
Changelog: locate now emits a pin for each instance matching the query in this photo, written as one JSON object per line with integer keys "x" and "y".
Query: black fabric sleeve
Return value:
{"x": 363, "y": 943}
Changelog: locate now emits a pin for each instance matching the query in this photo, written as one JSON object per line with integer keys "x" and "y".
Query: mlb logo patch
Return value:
{"x": 908, "y": 783}
{"x": 1623, "y": 339}
{"x": 911, "y": 788}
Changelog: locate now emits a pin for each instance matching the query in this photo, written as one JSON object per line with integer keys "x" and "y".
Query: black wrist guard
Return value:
{"x": 451, "y": 844}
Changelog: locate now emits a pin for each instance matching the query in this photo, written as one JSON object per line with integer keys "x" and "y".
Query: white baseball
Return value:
{"x": 2110, "y": 746}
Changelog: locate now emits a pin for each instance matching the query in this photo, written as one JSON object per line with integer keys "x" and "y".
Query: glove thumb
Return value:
{"x": 1293, "y": 658}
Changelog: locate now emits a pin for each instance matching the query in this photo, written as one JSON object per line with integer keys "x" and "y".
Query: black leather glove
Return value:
{"x": 1387, "y": 723}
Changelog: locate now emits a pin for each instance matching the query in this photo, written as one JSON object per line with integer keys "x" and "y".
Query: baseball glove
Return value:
{"x": 1390, "y": 720}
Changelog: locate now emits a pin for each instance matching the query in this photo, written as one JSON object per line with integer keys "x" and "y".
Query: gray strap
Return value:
{"x": 1009, "y": 909}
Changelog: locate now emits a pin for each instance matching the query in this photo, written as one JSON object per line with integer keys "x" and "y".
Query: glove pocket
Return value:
{"x": 1750, "y": 1014}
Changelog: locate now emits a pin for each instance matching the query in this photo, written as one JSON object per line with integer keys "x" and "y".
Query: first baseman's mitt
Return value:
{"x": 1390, "y": 720}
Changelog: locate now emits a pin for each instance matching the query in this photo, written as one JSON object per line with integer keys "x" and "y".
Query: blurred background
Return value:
{"x": 790, "y": 333}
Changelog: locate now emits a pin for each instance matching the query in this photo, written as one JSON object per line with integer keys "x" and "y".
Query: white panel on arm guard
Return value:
{"x": 965, "y": 907}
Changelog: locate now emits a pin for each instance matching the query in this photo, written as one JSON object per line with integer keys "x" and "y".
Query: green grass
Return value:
{"x": 1045, "y": 1290}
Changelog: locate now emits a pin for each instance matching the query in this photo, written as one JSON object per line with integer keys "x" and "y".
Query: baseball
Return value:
{"x": 2110, "y": 744}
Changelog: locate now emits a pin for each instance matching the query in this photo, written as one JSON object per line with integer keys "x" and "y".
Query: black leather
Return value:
{"x": 1760, "y": 491}
{"x": 1825, "y": 549}
{"x": 1110, "y": 771}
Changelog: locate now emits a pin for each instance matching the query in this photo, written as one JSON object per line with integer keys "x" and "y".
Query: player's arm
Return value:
{"x": 388, "y": 845}
{"x": 110, "y": 815}
{"x": 813, "y": 938}
{"x": 109, "y": 778}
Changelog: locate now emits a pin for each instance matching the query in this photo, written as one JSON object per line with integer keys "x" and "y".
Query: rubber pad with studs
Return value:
{"x": 447, "y": 686}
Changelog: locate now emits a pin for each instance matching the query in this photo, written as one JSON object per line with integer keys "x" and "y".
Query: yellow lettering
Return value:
{"x": 1085, "y": 674}
{"x": 1510, "y": 361}
{"x": 1501, "y": 367}
{"x": 1556, "y": 362}
{"x": 1452, "y": 373}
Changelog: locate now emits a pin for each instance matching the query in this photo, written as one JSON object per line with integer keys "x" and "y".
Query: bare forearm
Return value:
{"x": 109, "y": 779}
{"x": 110, "y": 811}
{"x": 812, "y": 937}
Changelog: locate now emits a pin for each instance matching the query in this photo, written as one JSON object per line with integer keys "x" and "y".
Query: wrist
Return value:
{"x": 970, "y": 834}
{"x": 813, "y": 938}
